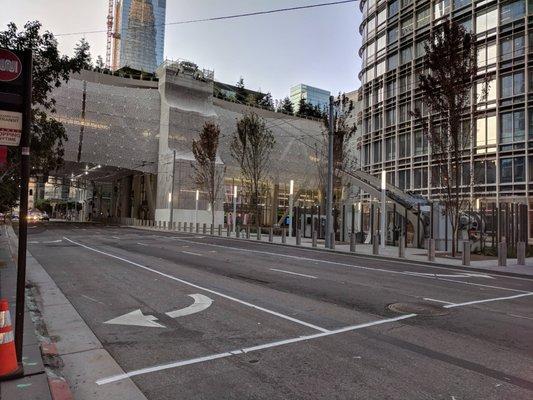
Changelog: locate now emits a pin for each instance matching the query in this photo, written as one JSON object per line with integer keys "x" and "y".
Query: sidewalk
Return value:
{"x": 413, "y": 255}
{"x": 35, "y": 384}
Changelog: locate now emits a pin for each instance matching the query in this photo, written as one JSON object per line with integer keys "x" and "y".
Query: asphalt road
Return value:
{"x": 275, "y": 322}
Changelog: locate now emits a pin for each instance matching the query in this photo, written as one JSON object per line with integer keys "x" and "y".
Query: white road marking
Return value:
{"x": 191, "y": 253}
{"x": 140, "y": 244}
{"x": 90, "y": 298}
{"x": 115, "y": 237}
{"x": 468, "y": 303}
{"x": 293, "y": 273}
{"x": 54, "y": 241}
{"x": 33, "y": 242}
{"x": 468, "y": 275}
{"x": 437, "y": 301}
{"x": 277, "y": 314}
{"x": 201, "y": 303}
{"x": 232, "y": 353}
{"x": 314, "y": 260}
{"x": 136, "y": 318}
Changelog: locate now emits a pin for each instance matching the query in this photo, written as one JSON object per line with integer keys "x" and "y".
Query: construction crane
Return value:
{"x": 110, "y": 33}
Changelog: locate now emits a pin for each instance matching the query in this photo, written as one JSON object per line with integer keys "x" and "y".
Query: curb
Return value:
{"x": 355, "y": 255}
{"x": 59, "y": 387}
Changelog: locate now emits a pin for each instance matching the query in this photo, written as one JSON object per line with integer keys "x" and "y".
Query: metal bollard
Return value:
{"x": 164, "y": 224}
{"x": 179, "y": 225}
{"x": 502, "y": 254}
{"x": 431, "y": 249}
{"x": 191, "y": 227}
{"x": 466, "y": 253}
{"x": 185, "y": 226}
{"x": 298, "y": 237}
{"x": 314, "y": 239}
{"x": 237, "y": 232}
{"x": 212, "y": 229}
{"x": 248, "y": 232}
{"x": 271, "y": 234}
{"x": 521, "y": 253}
{"x": 204, "y": 229}
{"x": 283, "y": 235}
{"x": 219, "y": 229}
{"x": 174, "y": 225}
{"x": 352, "y": 242}
{"x": 375, "y": 245}
{"x": 159, "y": 224}
{"x": 401, "y": 247}
{"x": 197, "y": 227}
{"x": 259, "y": 233}
{"x": 228, "y": 231}
{"x": 332, "y": 241}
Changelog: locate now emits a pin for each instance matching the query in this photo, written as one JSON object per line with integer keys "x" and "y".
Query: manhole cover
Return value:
{"x": 418, "y": 308}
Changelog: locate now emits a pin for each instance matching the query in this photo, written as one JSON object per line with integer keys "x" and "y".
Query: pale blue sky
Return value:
{"x": 316, "y": 46}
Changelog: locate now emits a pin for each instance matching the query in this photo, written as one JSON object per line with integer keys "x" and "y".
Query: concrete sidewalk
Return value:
{"x": 415, "y": 255}
{"x": 34, "y": 385}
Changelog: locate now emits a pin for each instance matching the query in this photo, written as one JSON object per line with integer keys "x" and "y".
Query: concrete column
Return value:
{"x": 271, "y": 234}
{"x": 259, "y": 233}
{"x": 466, "y": 253}
{"x": 314, "y": 239}
{"x": 401, "y": 247}
{"x": 375, "y": 244}
{"x": 431, "y": 249}
{"x": 283, "y": 235}
{"x": 332, "y": 241}
{"x": 352, "y": 242}
{"x": 521, "y": 253}
{"x": 298, "y": 237}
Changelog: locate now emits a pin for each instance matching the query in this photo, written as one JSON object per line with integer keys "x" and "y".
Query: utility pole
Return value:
{"x": 171, "y": 199}
{"x": 329, "y": 191}
{"x": 291, "y": 205}
{"x": 234, "y": 210}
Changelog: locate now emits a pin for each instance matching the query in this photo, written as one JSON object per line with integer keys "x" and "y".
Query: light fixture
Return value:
{"x": 197, "y": 194}
{"x": 291, "y": 189}
{"x": 383, "y": 180}
{"x": 235, "y": 191}
{"x": 169, "y": 197}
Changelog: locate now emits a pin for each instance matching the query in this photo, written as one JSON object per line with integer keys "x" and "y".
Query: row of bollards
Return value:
{"x": 430, "y": 243}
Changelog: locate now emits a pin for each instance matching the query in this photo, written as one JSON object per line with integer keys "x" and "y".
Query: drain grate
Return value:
{"x": 425, "y": 309}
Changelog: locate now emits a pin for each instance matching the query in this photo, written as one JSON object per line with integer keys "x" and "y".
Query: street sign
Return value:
{"x": 10, "y": 128}
{"x": 10, "y": 66}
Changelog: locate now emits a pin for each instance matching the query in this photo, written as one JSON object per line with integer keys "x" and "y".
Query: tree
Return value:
{"x": 100, "y": 63}
{"x": 451, "y": 61}
{"x": 50, "y": 70}
{"x": 205, "y": 153}
{"x": 251, "y": 147}
{"x": 266, "y": 102}
{"x": 82, "y": 52}
{"x": 308, "y": 110}
{"x": 286, "y": 107}
{"x": 343, "y": 131}
{"x": 241, "y": 94}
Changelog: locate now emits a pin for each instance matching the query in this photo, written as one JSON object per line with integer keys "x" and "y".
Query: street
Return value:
{"x": 193, "y": 316}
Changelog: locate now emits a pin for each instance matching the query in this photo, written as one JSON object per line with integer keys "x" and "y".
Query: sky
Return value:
{"x": 318, "y": 47}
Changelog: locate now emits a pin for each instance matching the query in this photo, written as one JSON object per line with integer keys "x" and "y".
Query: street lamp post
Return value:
{"x": 383, "y": 208}
{"x": 234, "y": 209}
{"x": 291, "y": 205}
{"x": 171, "y": 194}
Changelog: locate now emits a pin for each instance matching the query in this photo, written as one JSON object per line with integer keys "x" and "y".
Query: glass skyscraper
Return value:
{"x": 142, "y": 34}
{"x": 499, "y": 163}
{"x": 314, "y": 96}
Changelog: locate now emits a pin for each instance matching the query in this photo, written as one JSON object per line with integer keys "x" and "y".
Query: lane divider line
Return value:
{"x": 246, "y": 350}
{"x": 469, "y": 303}
{"x": 177, "y": 238}
{"x": 293, "y": 273}
{"x": 225, "y": 296}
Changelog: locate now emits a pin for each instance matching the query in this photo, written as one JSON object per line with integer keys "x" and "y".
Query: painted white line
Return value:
{"x": 469, "y": 303}
{"x": 468, "y": 275}
{"x": 201, "y": 303}
{"x": 177, "y": 364}
{"x": 191, "y": 253}
{"x": 293, "y": 273}
{"x": 90, "y": 298}
{"x": 437, "y": 301}
{"x": 266, "y": 310}
{"x": 139, "y": 243}
{"x": 115, "y": 237}
{"x": 314, "y": 260}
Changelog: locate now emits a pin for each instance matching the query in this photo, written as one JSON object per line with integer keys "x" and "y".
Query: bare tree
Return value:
{"x": 251, "y": 147}
{"x": 343, "y": 130}
{"x": 207, "y": 175}
{"x": 447, "y": 89}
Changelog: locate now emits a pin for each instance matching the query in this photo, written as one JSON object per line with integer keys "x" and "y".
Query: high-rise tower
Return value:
{"x": 141, "y": 34}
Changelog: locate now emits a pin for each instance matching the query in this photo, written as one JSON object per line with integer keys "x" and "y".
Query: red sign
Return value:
{"x": 3, "y": 155}
{"x": 10, "y": 66}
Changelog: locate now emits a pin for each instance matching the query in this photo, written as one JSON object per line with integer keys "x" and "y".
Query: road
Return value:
{"x": 273, "y": 322}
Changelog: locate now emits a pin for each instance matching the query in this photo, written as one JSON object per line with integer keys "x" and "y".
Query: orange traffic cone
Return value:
{"x": 9, "y": 368}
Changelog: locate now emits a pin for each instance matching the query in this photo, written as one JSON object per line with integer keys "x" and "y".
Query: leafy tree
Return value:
{"x": 50, "y": 70}
{"x": 451, "y": 61}
{"x": 82, "y": 52}
{"x": 343, "y": 131}
{"x": 100, "y": 63}
{"x": 241, "y": 94}
{"x": 308, "y": 110}
{"x": 266, "y": 102}
{"x": 251, "y": 147}
{"x": 286, "y": 106}
{"x": 205, "y": 153}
